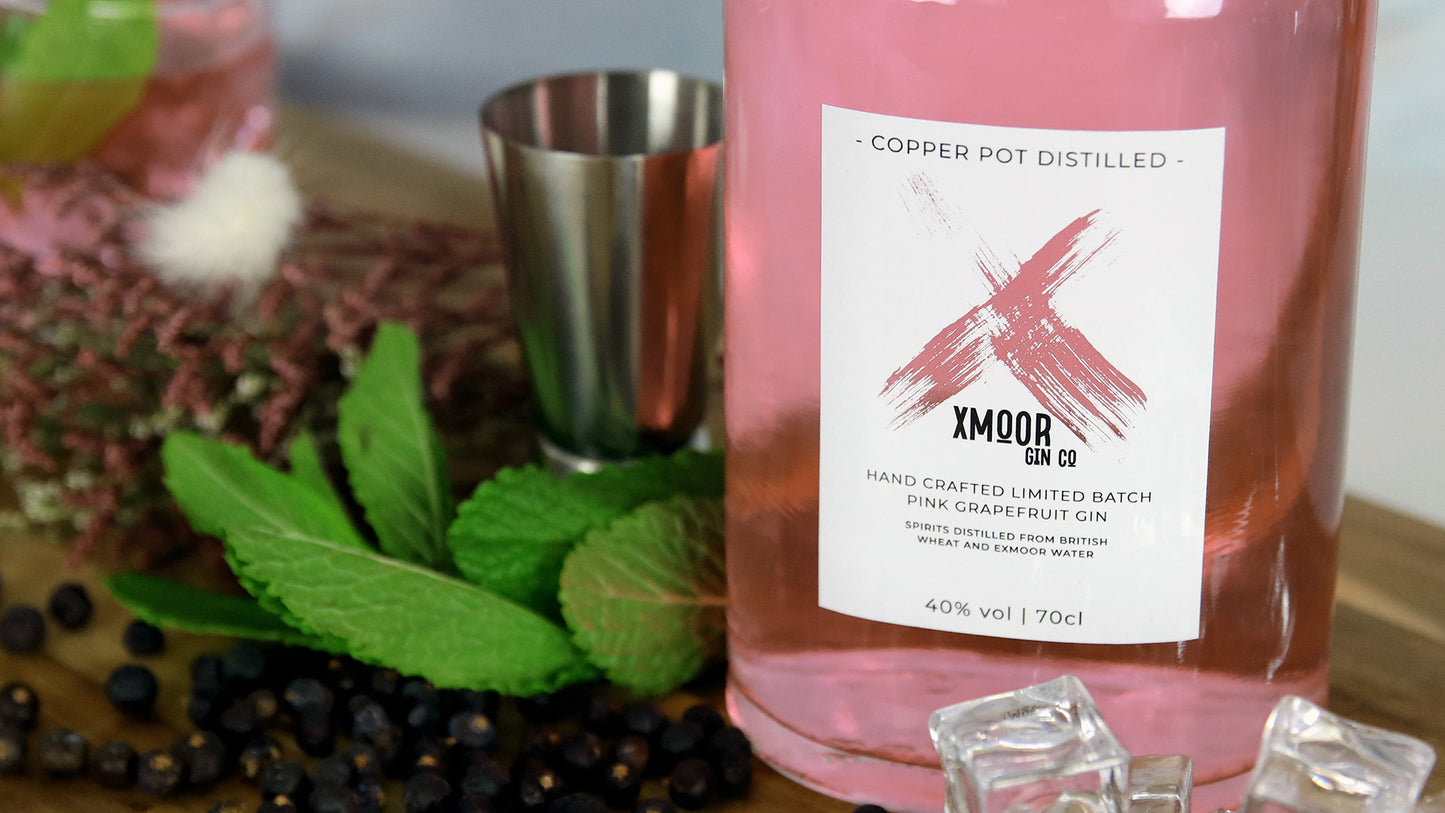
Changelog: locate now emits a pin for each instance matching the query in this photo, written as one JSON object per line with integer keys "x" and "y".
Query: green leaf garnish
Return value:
{"x": 69, "y": 75}
{"x": 408, "y": 617}
{"x": 645, "y": 596}
{"x": 393, "y": 455}
{"x": 642, "y": 594}
{"x": 80, "y": 40}
{"x": 222, "y": 488}
{"x": 306, "y": 466}
{"x": 173, "y": 604}
{"x": 516, "y": 530}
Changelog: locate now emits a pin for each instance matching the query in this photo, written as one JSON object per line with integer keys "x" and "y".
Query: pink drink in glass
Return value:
{"x": 212, "y": 91}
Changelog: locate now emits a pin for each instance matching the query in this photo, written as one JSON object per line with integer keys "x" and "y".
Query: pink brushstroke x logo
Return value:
{"x": 1019, "y": 327}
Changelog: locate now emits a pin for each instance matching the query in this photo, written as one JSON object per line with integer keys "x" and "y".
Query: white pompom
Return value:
{"x": 230, "y": 230}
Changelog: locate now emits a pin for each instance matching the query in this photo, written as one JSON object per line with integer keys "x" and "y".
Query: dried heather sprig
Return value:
{"x": 99, "y": 359}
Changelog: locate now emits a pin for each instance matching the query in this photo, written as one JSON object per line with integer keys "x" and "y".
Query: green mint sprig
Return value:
{"x": 315, "y": 578}
{"x": 409, "y": 617}
{"x": 515, "y": 532}
{"x": 645, "y": 595}
{"x": 168, "y": 603}
{"x": 307, "y": 466}
{"x": 393, "y": 455}
{"x": 222, "y": 489}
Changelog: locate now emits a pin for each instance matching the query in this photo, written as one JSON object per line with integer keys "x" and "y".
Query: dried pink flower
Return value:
{"x": 99, "y": 358}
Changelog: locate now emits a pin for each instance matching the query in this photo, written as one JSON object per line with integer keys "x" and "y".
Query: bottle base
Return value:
{"x": 857, "y": 778}
{"x": 900, "y": 787}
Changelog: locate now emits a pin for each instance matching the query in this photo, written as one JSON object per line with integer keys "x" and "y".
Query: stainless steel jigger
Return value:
{"x": 606, "y": 199}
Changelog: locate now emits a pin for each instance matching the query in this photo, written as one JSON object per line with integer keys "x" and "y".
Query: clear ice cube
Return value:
{"x": 1314, "y": 761}
{"x": 1043, "y": 749}
{"x": 1160, "y": 784}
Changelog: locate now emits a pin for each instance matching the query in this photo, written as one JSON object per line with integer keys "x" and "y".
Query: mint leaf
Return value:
{"x": 393, "y": 455}
{"x": 516, "y": 530}
{"x": 297, "y": 553}
{"x": 307, "y": 467}
{"x": 408, "y": 617}
{"x": 80, "y": 40}
{"x": 222, "y": 489}
{"x": 513, "y": 534}
{"x": 645, "y": 596}
{"x": 175, "y": 605}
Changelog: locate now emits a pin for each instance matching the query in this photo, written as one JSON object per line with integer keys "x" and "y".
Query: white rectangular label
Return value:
{"x": 1017, "y": 353}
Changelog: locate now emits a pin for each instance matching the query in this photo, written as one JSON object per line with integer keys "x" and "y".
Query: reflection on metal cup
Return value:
{"x": 606, "y": 191}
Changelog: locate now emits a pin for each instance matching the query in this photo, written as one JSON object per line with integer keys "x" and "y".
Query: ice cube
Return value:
{"x": 1043, "y": 749}
{"x": 1160, "y": 784}
{"x": 1314, "y": 761}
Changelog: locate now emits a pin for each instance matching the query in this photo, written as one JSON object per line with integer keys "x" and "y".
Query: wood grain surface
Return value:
{"x": 1389, "y": 656}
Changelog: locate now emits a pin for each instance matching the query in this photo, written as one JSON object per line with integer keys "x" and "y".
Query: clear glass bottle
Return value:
{"x": 212, "y": 91}
{"x": 1175, "y": 187}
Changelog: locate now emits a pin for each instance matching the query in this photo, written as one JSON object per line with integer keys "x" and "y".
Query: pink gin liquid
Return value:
{"x": 212, "y": 91}
{"x": 841, "y": 703}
